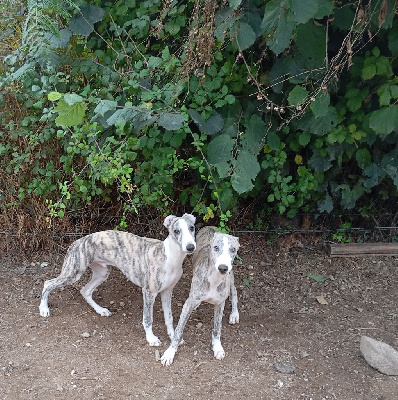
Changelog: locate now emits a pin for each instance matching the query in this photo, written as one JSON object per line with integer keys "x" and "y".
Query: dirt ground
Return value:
{"x": 77, "y": 354}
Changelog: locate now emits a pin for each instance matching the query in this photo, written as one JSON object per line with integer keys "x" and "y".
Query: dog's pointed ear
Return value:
{"x": 169, "y": 220}
{"x": 190, "y": 217}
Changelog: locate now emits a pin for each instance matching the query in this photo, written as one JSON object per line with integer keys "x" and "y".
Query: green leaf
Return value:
{"x": 326, "y": 205}
{"x": 393, "y": 41}
{"x": 277, "y": 26}
{"x": 304, "y": 138}
{"x": 320, "y": 106}
{"x": 253, "y": 137}
{"x": 138, "y": 114}
{"x": 319, "y": 162}
{"x": 375, "y": 175}
{"x": 198, "y": 119}
{"x": 363, "y": 157}
{"x": 220, "y": 149}
{"x": 104, "y": 106}
{"x": 246, "y": 282}
{"x": 273, "y": 140}
{"x": 245, "y": 36}
{"x": 315, "y": 277}
{"x": 54, "y": 96}
{"x": 297, "y": 95}
{"x": 154, "y": 62}
{"x": 224, "y": 21}
{"x": 350, "y": 196}
{"x": 234, "y": 4}
{"x": 246, "y": 168}
{"x": 311, "y": 43}
{"x": 72, "y": 98}
{"x": 171, "y": 121}
{"x": 385, "y": 120}
{"x": 83, "y": 22}
{"x": 304, "y": 10}
{"x": 369, "y": 71}
{"x": 213, "y": 125}
{"x": 69, "y": 115}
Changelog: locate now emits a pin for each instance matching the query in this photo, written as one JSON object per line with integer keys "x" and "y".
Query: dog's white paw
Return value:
{"x": 234, "y": 318}
{"x": 168, "y": 357}
{"x": 154, "y": 341}
{"x": 44, "y": 311}
{"x": 218, "y": 351}
{"x": 104, "y": 312}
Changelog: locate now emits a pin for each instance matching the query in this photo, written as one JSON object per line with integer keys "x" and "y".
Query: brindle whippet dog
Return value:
{"x": 154, "y": 265}
{"x": 212, "y": 282}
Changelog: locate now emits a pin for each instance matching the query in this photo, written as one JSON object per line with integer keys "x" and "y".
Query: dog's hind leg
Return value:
{"x": 67, "y": 277}
{"x": 218, "y": 350}
{"x": 234, "y": 316}
{"x": 100, "y": 274}
{"x": 147, "y": 318}
{"x": 168, "y": 315}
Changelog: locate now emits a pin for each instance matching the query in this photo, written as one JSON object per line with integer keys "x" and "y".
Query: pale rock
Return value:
{"x": 379, "y": 355}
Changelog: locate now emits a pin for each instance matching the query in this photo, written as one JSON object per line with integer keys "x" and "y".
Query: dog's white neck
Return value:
{"x": 174, "y": 254}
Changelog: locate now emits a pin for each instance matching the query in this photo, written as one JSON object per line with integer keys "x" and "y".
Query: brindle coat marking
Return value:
{"x": 212, "y": 282}
{"x": 153, "y": 265}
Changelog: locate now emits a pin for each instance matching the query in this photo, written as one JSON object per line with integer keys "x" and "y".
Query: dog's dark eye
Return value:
{"x": 216, "y": 248}
{"x": 192, "y": 228}
{"x": 176, "y": 231}
{"x": 232, "y": 250}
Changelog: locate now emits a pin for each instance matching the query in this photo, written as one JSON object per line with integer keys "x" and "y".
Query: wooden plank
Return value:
{"x": 363, "y": 249}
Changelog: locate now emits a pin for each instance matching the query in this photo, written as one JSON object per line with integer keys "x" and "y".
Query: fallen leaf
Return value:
{"x": 322, "y": 300}
{"x": 315, "y": 277}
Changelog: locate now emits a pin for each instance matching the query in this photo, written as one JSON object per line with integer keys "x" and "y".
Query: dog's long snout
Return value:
{"x": 223, "y": 268}
{"x": 190, "y": 248}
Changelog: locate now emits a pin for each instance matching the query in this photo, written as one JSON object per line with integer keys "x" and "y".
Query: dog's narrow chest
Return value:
{"x": 165, "y": 274}
{"x": 216, "y": 288}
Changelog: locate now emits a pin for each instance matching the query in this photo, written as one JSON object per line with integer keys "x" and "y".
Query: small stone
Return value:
{"x": 284, "y": 368}
{"x": 122, "y": 304}
{"x": 28, "y": 344}
{"x": 44, "y": 264}
{"x": 85, "y": 335}
{"x": 199, "y": 325}
{"x": 280, "y": 383}
{"x": 157, "y": 355}
{"x": 262, "y": 264}
{"x": 250, "y": 267}
{"x": 379, "y": 355}
{"x": 59, "y": 388}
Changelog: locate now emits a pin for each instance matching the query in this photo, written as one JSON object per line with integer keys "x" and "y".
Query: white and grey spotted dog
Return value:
{"x": 212, "y": 282}
{"x": 154, "y": 265}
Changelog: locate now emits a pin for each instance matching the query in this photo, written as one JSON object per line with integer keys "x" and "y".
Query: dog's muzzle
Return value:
{"x": 190, "y": 248}
{"x": 223, "y": 269}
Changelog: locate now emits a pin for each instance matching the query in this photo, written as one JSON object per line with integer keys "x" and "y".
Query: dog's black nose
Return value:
{"x": 190, "y": 247}
{"x": 223, "y": 268}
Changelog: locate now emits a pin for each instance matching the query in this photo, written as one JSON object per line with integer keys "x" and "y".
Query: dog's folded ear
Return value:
{"x": 190, "y": 217}
{"x": 169, "y": 220}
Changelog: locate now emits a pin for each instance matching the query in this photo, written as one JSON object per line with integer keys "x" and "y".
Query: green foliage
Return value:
{"x": 187, "y": 104}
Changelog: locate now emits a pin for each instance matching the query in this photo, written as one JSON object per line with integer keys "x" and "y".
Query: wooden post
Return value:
{"x": 363, "y": 249}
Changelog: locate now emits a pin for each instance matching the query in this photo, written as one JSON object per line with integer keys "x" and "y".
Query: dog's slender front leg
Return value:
{"x": 168, "y": 355}
{"x": 216, "y": 340}
{"x": 147, "y": 319}
{"x": 234, "y": 316}
{"x": 168, "y": 315}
